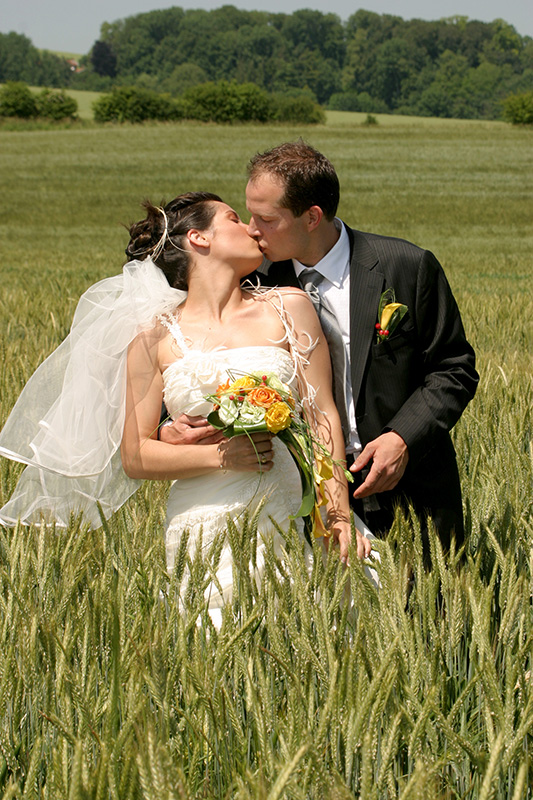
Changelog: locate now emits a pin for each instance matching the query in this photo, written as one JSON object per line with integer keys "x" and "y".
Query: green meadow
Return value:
{"x": 108, "y": 688}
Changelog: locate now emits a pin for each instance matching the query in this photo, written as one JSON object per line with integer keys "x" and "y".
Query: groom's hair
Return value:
{"x": 309, "y": 178}
{"x": 161, "y": 235}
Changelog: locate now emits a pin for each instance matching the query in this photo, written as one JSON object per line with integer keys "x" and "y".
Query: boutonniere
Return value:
{"x": 389, "y": 314}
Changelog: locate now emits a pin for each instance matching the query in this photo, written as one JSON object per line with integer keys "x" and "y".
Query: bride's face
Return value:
{"x": 230, "y": 241}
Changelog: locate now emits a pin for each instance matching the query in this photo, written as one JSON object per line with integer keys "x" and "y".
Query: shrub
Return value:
{"x": 135, "y": 104}
{"x": 208, "y": 102}
{"x": 518, "y": 108}
{"x": 16, "y": 100}
{"x": 55, "y": 105}
{"x": 300, "y": 109}
{"x": 227, "y": 102}
{"x": 344, "y": 101}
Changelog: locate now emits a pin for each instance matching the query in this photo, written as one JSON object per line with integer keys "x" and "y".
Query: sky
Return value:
{"x": 74, "y": 25}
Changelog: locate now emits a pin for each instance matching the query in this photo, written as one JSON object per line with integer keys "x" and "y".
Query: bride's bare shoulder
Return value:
{"x": 153, "y": 344}
{"x": 297, "y": 302}
{"x": 286, "y": 294}
{"x": 292, "y": 291}
{"x": 293, "y": 306}
{"x": 153, "y": 335}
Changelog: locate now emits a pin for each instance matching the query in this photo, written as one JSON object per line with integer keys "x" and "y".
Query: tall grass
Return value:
{"x": 423, "y": 689}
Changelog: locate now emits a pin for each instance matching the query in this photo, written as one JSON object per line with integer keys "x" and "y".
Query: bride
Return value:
{"x": 175, "y": 326}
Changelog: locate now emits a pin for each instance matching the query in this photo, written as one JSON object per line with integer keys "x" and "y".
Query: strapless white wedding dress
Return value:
{"x": 202, "y": 504}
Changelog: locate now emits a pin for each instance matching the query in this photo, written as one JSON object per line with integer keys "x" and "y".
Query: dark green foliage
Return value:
{"x": 55, "y": 105}
{"x": 518, "y": 108}
{"x": 374, "y": 63}
{"x": 227, "y": 102}
{"x": 208, "y": 102}
{"x": 134, "y": 104}
{"x": 351, "y": 101}
{"x": 16, "y": 100}
{"x": 103, "y": 59}
{"x": 183, "y": 77}
{"x": 299, "y": 108}
{"x": 21, "y": 61}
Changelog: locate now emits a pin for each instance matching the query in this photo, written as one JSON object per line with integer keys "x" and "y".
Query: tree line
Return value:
{"x": 452, "y": 67}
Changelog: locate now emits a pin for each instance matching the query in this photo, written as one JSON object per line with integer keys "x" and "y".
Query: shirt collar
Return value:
{"x": 333, "y": 265}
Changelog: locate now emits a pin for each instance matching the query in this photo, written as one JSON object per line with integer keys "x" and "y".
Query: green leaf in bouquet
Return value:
{"x": 306, "y": 473}
{"x": 214, "y": 420}
{"x": 258, "y": 427}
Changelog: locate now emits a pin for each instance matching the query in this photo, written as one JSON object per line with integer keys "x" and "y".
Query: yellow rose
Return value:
{"x": 243, "y": 383}
{"x": 278, "y": 417}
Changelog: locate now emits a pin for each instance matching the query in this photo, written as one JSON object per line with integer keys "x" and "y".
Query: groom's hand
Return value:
{"x": 389, "y": 456}
{"x": 189, "y": 430}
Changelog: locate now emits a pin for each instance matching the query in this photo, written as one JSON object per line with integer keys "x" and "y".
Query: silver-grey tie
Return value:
{"x": 310, "y": 280}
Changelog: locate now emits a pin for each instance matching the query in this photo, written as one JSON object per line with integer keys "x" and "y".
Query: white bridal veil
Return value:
{"x": 67, "y": 423}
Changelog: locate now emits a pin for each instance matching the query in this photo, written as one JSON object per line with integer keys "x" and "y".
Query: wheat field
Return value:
{"x": 110, "y": 688}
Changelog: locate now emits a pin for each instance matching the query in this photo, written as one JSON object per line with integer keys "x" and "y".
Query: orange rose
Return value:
{"x": 278, "y": 417}
{"x": 263, "y": 396}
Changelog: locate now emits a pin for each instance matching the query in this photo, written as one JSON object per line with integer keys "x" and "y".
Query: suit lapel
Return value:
{"x": 366, "y": 286}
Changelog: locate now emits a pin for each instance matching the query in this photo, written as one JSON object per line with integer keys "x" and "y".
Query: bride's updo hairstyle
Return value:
{"x": 162, "y": 235}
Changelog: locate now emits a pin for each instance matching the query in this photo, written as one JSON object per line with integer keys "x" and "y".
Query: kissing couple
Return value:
{"x": 183, "y": 325}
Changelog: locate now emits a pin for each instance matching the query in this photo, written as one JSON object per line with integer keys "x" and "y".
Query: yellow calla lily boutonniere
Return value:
{"x": 389, "y": 314}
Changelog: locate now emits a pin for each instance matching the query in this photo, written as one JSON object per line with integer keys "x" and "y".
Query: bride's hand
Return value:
{"x": 343, "y": 536}
{"x": 247, "y": 453}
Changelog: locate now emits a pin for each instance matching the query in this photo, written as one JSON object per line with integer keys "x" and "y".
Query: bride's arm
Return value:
{"x": 144, "y": 457}
{"x": 329, "y": 431}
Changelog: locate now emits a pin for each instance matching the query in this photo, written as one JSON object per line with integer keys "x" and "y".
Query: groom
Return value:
{"x": 402, "y": 394}
{"x": 399, "y": 397}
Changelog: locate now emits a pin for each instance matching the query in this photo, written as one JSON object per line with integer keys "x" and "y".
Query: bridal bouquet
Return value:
{"x": 262, "y": 402}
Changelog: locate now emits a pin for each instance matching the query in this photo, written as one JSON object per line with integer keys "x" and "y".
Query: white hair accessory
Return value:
{"x": 158, "y": 249}
{"x": 164, "y": 238}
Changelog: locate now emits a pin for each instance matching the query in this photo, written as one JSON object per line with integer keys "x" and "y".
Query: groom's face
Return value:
{"x": 278, "y": 232}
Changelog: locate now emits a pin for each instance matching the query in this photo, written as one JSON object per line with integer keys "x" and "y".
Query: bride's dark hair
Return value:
{"x": 162, "y": 234}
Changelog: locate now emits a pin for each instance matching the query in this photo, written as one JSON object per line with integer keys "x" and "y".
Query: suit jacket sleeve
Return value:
{"x": 447, "y": 379}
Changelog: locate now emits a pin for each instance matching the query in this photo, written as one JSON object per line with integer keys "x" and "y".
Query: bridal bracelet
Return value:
{"x": 220, "y": 456}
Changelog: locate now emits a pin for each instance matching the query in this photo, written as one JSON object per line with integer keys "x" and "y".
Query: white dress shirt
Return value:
{"x": 335, "y": 289}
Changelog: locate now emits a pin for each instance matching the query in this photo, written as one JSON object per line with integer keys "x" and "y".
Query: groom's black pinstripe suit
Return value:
{"x": 417, "y": 383}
